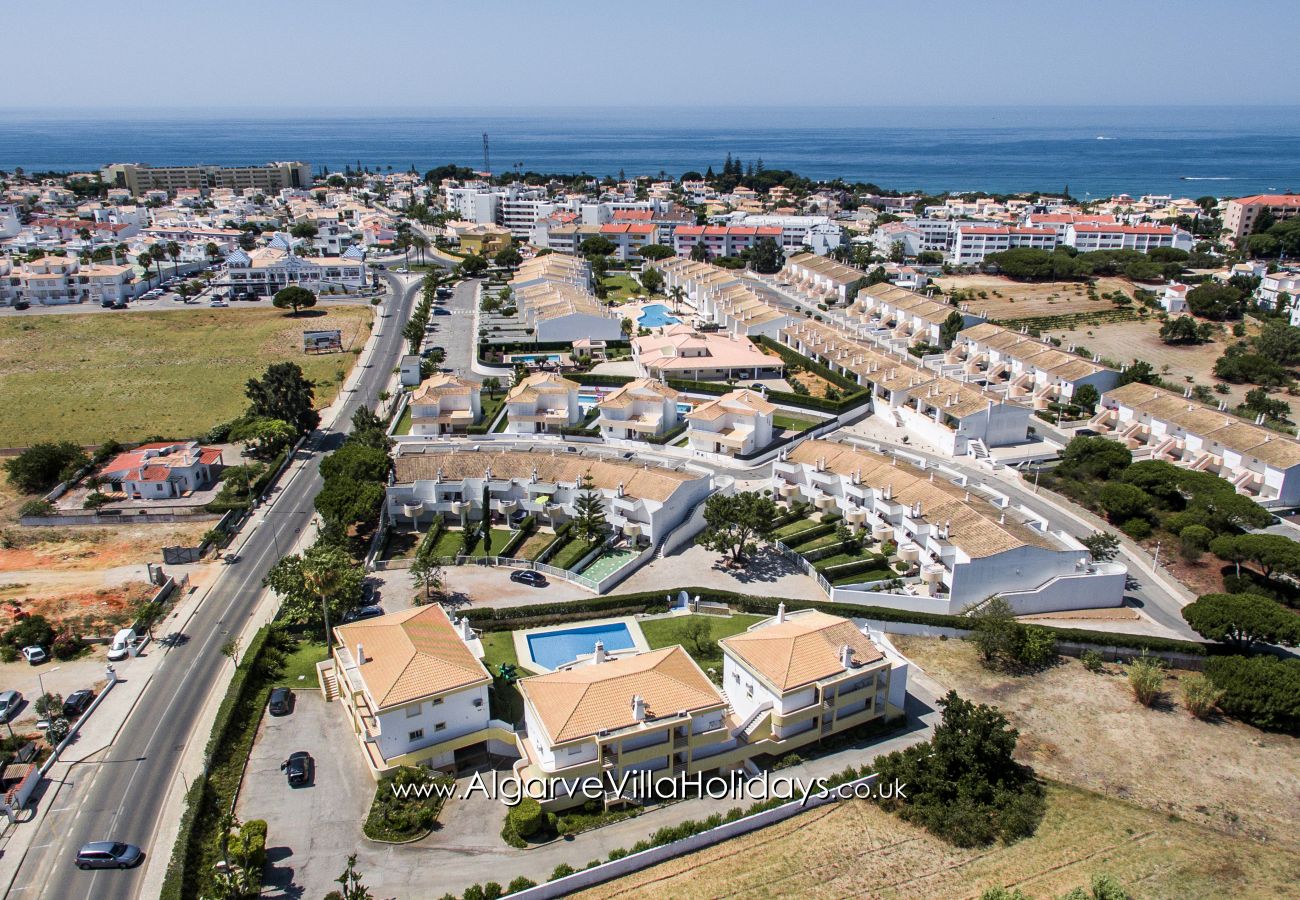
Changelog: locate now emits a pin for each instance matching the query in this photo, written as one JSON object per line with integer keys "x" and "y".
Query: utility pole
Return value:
{"x": 487, "y": 163}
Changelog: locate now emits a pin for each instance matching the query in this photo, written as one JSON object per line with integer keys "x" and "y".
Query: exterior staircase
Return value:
{"x": 977, "y": 448}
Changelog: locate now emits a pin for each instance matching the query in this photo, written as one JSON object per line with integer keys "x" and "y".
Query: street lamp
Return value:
{"x": 41, "y": 681}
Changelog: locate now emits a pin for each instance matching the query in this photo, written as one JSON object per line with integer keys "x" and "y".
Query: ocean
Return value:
{"x": 1096, "y": 151}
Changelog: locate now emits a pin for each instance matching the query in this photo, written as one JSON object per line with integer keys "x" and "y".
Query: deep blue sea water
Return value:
{"x": 1094, "y": 150}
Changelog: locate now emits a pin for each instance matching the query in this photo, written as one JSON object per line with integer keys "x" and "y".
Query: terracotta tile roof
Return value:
{"x": 443, "y": 384}
{"x": 586, "y": 700}
{"x": 803, "y": 649}
{"x": 410, "y": 655}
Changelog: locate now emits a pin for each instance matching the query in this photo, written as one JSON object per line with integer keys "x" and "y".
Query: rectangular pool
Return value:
{"x": 557, "y": 648}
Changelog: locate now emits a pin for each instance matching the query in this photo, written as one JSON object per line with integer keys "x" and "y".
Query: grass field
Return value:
{"x": 300, "y": 665}
{"x": 667, "y": 632}
{"x": 622, "y": 288}
{"x": 451, "y": 542}
{"x": 790, "y": 422}
{"x": 853, "y": 849}
{"x": 129, "y": 376}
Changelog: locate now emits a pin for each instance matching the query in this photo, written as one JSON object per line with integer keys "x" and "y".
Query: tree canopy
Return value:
{"x": 736, "y": 524}
{"x": 284, "y": 393}
{"x": 322, "y": 571}
{"x": 293, "y": 297}
{"x": 1242, "y": 620}
{"x": 42, "y": 466}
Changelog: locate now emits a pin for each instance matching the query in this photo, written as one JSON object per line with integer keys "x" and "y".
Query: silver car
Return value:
{"x": 108, "y": 855}
{"x": 9, "y": 703}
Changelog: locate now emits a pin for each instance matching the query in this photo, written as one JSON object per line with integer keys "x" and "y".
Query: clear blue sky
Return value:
{"x": 431, "y": 55}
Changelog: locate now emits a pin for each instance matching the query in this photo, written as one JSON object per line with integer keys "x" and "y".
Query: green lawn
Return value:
{"x": 667, "y": 632}
{"x": 622, "y": 287}
{"x": 841, "y": 558}
{"x": 128, "y": 375}
{"x": 571, "y": 553}
{"x": 794, "y": 527}
{"x": 787, "y": 422}
{"x": 451, "y": 541}
{"x": 816, "y": 543}
{"x": 506, "y": 702}
{"x": 404, "y": 423}
{"x": 300, "y": 664}
{"x": 864, "y": 577}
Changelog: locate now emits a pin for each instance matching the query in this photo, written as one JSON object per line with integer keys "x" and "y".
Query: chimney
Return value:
{"x": 361, "y": 654}
{"x": 638, "y": 708}
{"x": 780, "y": 612}
{"x": 846, "y": 657}
{"x": 466, "y": 633}
{"x": 598, "y": 656}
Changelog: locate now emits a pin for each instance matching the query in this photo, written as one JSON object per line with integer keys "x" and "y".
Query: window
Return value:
{"x": 437, "y": 701}
{"x": 413, "y": 711}
{"x": 415, "y": 735}
{"x": 440, "y": 726}
{"x": 574, "y": 751}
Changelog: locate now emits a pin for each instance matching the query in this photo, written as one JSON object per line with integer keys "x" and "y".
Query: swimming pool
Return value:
{"x": 535, "y": 357}
{"x": 656, "y": 316}
{"x": 557, "y": 648}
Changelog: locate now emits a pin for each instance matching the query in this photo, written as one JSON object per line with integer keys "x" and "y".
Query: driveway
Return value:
{"x": 768, "y": 575}
{"x": 320, "y": 822}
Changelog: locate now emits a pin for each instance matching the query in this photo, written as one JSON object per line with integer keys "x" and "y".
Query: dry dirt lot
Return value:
{"x": 1172, "y": 807}
{"x": 855, "y": 850}
{"x": 1125, "y": 341}
{"x": 1009, "y": 299}
{"x": 73, "y": 572}
{"x": 1086, "y": 730}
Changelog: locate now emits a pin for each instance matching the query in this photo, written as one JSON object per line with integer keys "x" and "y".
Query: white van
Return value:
{"x": 123, "y": 641}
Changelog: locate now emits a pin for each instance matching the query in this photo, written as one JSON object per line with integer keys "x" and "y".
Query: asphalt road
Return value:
{"x": 121, "y": 797}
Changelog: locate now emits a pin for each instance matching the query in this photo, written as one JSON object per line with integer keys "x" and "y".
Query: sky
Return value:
{"x": 433, "y": 55}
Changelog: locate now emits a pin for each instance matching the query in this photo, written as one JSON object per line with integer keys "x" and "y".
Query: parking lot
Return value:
{"x": 320, "y": 822}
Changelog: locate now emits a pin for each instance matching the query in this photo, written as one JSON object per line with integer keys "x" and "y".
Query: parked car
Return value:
{"x": 77, "y": 703}
{"x": 108, "y": 855}
{"x": 35, "y": 655}
{"x": 441, "y": 311}
{"x": 371, "y": 611}
{"x": 443, "y": 292}
{"x": 10, "y": 701}
{"x": 217, "y": 301}
{"x": 298, "y": 768}
{"x": 528, "y": 576}
{"x": 281, "y": 702}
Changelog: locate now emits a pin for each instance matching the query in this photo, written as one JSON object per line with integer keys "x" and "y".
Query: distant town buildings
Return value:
{"x": 268, "y": 179}
{"x": 1241, "y": 213}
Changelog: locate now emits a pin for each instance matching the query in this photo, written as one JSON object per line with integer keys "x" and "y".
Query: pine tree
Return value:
{"x": 727, "y": 166}
{"x": 589, "y": 510}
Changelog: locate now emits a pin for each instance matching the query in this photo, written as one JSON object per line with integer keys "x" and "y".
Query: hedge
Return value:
{"x": 808, "y": 534}
{"x": 588, "y": 380}
{"x": 218, "y": 505}
{"x": 668, "y": 436}
{"x": 514, "y": 617}
{"x": 561, "y": 535}
{"x": 875, "y": 561}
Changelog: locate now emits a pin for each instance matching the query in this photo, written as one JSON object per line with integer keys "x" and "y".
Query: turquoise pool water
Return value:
{"x": 535, "y": 357}
{"x": 656, "y": 316}
{"x": 557, "y": 648}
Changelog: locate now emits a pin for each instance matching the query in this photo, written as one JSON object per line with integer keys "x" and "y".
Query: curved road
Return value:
{"x": 122, "y": 795}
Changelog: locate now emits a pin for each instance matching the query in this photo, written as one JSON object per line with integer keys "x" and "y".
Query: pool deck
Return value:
{"x": 608, "y": 563}
{"x": 525, "y": 652}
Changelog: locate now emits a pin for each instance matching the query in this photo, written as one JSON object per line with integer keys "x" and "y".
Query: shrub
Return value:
{"x": 520, "y": 884}
{"x": 66, "y": 645}
{"x": 95, "y": 500}
{"x": 42, "y": 466}
{"x": 1092, "y": 660}
{"x": 1138, "y": 529}
{"x": 39, "y": 508}
{"x": 31, "y": 631}
{"x": 527, "y": 817}
{"x": 561, "y": 871}
{"x": 1260, "y": 690}
{"x": 1146, "y": 678}
{"x": 1200, "y": 696}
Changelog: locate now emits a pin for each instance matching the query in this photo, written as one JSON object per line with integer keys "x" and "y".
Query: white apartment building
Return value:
{"x": 1273, "y": 286}
{"x": 644, "y": 503}
{"x": 553, "y": 297}
{"x": 963, "y": 549}
{"x": 445, "y": 404}
{"x": 721, "y": 297}
{"x": 543, "y": 403}
{"x": 818, "y": 233}
{"x": 906, "y": 316}
{"x": 57, "y": 280}
{"x": 10, "y": 222}
{"x": 639, "y": 409}
{"x": 1088, "y": 237}
{"x": 972, "y": 242}
{"x": 1023, "y": 368}
{"x": 821, "y": 277}
{"x": 1240, "y": 214}
{"x": 414, "y": 690}
{"x": 1158, "y": 424}
{"x": 721, "y": 240}
{"x": 268, "y": 269}
{"x": 629, "y": 237}
{"x": 738, "y": 423}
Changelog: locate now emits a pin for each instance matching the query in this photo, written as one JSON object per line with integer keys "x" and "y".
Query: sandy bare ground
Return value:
{"x": 854, "y": 849}
{"x": 1007, "y": 299}
{"x": 1086, "y": 730}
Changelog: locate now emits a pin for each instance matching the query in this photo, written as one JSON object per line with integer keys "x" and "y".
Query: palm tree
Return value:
{"x": 213, "y": 251}
{"x": 420, "y": 243}
{"x": 143, "y": 258}
{"x": 174, "y": 251}
{"x": 677, "y": 295}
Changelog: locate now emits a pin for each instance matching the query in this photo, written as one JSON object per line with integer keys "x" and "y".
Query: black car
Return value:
{"x": 281, "y": 702}
{"x": 108, "y": 855}
{"x": 298, "y": 768}
{"x": 371, "y": 611}
{"x": 441, "y": 311}
{"x": 77, "y": 702}
{"x": 528, "y": 576}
